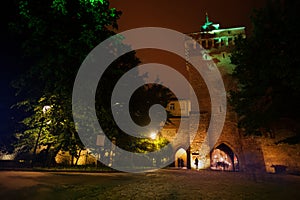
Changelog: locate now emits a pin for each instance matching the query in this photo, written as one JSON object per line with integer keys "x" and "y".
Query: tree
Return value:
{"x": 56, "y": 36}
{"x": 267, "y": 68}
{"x": 145, "y": 97}
{"x": 140, "y": 102}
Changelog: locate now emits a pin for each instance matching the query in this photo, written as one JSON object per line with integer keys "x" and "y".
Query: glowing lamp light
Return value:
{"x": 153, "y": 135}
{"x": 46, "y": 108}
{"x": 201, "y": 165}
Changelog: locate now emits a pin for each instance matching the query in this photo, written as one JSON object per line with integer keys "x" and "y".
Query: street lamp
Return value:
{"x": 45, "y": 109}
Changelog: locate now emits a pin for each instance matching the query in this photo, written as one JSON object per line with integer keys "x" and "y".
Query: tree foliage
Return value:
{"x": 267, "y": 71}
{"x": 56, "y": 36}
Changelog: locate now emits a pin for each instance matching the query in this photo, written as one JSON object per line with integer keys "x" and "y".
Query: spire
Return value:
{"x": 209, "y": 25}
{"x": 206, "y": 18}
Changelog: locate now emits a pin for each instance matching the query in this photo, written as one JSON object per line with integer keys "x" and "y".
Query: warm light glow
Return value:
{"x": 221, "y": 161}
{"x": 153, "y": 135}
{"x": 46, "y": 108}
{"x": 64, "y": 157}
{"x": 7, "y": 156}
{"x": 200, "y": 164}
{"x": 181, "y": 155}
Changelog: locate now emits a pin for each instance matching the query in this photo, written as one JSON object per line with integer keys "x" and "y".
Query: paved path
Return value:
{"x": 162, "y": 184}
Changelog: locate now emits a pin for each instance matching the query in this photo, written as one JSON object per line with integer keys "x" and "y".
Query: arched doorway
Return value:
{"x": 223, "y": 158}
{"x": 181, "y": 158}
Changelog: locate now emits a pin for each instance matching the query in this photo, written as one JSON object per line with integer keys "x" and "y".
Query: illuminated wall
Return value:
{"x": 218, "y": 42}
{"x": 85, "y": 158}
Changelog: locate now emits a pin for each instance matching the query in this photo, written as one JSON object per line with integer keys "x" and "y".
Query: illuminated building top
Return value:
{"x": 211, "y": 36}
{"x": 209, "y": 26}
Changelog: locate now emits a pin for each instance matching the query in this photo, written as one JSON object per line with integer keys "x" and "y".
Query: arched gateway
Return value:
{"x": 223, "y": 158}
{"x": 181, "y": 158}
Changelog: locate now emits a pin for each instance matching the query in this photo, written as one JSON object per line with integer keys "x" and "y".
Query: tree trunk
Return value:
{"x": 78, "y": 157}
{"x": 72, "y": 160}
{"x": 47, "y": 160}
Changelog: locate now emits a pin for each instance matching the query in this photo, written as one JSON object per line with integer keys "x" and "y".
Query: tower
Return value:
{"x": 218, "y": 43}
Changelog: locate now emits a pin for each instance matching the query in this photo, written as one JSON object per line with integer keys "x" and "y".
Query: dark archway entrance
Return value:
{"x": 223, "y": 158}
{"x": 181, "y": 158}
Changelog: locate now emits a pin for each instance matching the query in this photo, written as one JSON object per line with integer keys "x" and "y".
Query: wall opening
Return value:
{"x": 181, "y": 158}
{"x": 224, "y": 159}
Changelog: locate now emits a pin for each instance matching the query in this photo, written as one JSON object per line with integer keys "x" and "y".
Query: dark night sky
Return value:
{"x": 184, "y": 16}
{"x": 8, "y": 71}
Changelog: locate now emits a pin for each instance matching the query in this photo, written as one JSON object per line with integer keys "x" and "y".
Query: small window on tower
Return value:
{"x": 172, "y": 106}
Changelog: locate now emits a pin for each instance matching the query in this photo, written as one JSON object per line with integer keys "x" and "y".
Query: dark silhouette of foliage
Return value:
{"x": 267, "y": 71}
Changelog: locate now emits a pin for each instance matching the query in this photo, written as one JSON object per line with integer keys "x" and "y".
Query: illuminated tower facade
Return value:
{"x": 227, "y": 153}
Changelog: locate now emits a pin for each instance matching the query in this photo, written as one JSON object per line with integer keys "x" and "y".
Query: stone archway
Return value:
{"x": 181, "y": 158}
{"x": 223, "y": 158}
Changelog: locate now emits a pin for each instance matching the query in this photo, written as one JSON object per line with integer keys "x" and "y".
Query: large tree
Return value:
{"x": 56, "y": 36}
{"x": 268, "y": 71}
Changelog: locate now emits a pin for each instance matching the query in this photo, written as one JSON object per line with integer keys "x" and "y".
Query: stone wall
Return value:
{"x": 278, "y": 152}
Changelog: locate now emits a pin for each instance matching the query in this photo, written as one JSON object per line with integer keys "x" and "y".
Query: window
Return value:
{"x": 172, "y": 106}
